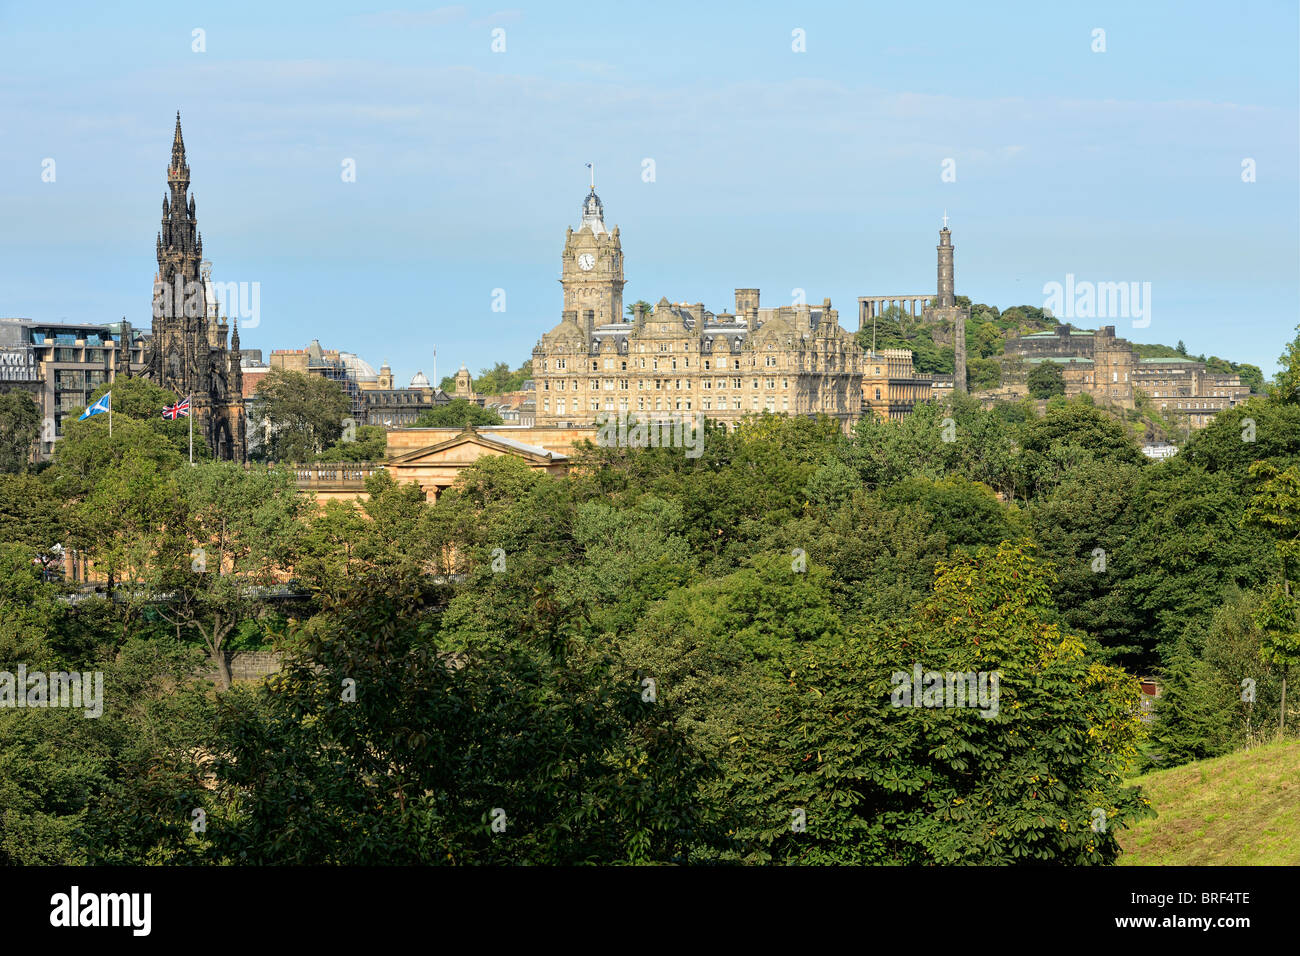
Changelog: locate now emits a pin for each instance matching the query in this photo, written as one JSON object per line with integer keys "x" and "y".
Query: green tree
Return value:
{"x": 370, "y": 443}
{"x": 32, "y": 514}
{"x": 986, "y": 341}
{"x": 305, "y": 414}
{"x": 237, "y": 533}
{"x": 1069, "y": 435}
{"x": 631, "y": 309}
{"x": 87, "y": 449}
{"x": 1045, "y": 380}
{"x": 20, "y": 426}
{"x": 373, "y": 746}
{"x": 881, "y": 780}
{"x": 1277, "y": 508}
{"x": 456, "y": 414}
{"x": 1080, "y": 527}
{"x": 983, "y": 373}
{"x": 118, "y": 788}
{"x": 1286, "y": 385}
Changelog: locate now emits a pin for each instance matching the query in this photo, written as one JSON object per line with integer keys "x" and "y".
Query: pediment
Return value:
{"x": 469, "y": 446}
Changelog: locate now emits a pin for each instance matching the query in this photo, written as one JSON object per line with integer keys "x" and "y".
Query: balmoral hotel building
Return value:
{"x": 680, "y": 359}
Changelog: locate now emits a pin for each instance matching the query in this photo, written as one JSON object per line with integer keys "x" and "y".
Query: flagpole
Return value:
{"x": 190, "y": 416}
{"x": 110, "y": 414}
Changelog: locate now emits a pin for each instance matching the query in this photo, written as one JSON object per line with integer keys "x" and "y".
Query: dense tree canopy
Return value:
{"x": 303, "y": 414}
{"x": 743, "y": 656}
{"x": 20, "y": 427}
{"x": 455, "y": 414}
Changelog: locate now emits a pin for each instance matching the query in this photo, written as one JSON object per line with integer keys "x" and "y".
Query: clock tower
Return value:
{"x": 592, "y": 268}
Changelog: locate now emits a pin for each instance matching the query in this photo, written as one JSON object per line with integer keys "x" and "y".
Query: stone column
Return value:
{"x": 947, "y": 281}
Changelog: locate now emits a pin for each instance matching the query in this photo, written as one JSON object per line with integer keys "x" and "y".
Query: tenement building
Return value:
{"x": 679, "y": 359}
{"x": 188, "y": 353}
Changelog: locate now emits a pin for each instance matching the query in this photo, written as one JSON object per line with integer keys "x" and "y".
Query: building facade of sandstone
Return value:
{"x": 1099, "y": 364}
{"x": 679, "y": 359}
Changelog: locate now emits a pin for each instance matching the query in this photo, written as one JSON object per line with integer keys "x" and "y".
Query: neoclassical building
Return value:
{"x": 679, "y": 359}
{"x": 1110, "y": 369}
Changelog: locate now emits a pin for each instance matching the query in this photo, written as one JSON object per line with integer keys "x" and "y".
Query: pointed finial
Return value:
{"x": 945, "y": 219}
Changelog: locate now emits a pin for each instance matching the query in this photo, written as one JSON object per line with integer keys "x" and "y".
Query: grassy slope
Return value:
{"x": 1242, "y": 809}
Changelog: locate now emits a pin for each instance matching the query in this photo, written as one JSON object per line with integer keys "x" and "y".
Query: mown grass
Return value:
{"x": 1242, "y": 809}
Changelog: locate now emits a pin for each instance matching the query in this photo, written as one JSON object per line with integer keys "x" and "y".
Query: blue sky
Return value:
{"x": 818, "y": 170}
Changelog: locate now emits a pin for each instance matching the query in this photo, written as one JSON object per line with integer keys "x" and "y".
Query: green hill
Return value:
{"x": 1242, "y": 809}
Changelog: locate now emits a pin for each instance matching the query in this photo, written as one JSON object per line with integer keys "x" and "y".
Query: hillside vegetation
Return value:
{"x": 1239, "y": 810}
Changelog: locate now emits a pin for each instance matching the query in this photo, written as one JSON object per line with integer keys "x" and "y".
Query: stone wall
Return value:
{"x": 249, "y": 666}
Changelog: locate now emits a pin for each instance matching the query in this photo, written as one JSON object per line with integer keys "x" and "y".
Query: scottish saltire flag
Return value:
{"x": 180, "y": 410}
{"x": 103, "y": 405}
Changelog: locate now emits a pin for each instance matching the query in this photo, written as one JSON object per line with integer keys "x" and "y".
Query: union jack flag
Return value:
{"x": 180, "y": 410}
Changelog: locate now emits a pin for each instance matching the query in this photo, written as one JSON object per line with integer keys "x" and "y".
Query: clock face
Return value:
{"x": 586, "y": 262}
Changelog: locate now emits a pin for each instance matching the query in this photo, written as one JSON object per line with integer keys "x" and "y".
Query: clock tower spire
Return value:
{"x": 591, "y": 271}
